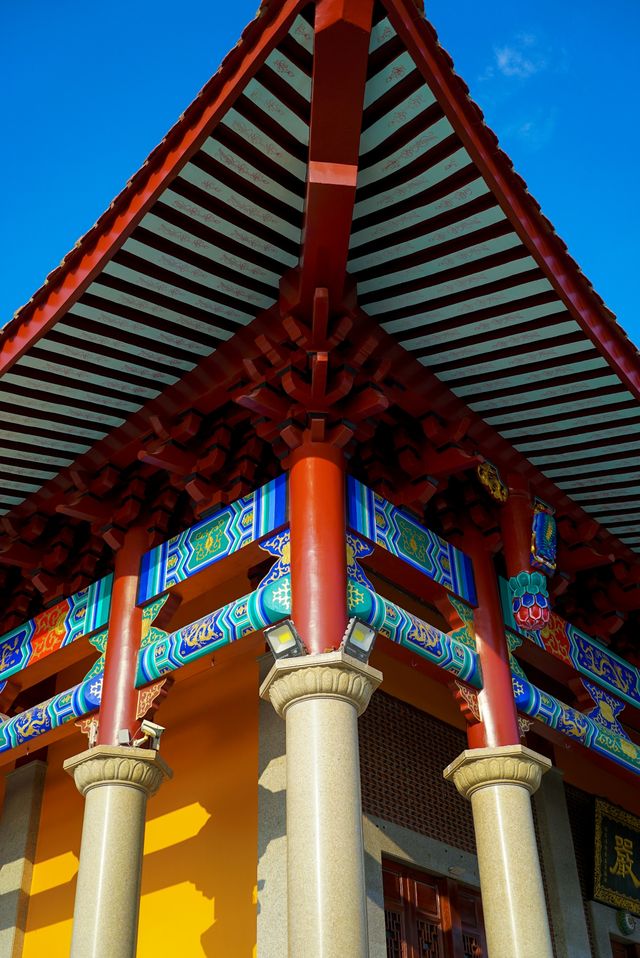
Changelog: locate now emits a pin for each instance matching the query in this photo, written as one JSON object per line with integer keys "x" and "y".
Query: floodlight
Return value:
{"x": 284, "y": 641}
{"x": 359, "y": 639}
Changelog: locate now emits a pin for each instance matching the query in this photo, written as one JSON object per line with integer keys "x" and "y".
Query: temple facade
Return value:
{"x": 319, "y": 544}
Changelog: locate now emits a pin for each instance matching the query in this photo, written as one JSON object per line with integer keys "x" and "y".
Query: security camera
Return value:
{"x": 150, "y": 733}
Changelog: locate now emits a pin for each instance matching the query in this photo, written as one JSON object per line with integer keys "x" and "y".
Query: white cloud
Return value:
{"x": 522, "y": 58}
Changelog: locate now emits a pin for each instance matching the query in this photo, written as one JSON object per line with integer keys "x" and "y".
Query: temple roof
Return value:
{"x": 450, "y": 253}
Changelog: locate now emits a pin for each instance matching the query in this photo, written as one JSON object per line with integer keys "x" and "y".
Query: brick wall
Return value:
{"x": 403, "y": 753}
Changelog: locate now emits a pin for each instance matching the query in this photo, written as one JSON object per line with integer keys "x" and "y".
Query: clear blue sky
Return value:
{"x": 89, "y": 89}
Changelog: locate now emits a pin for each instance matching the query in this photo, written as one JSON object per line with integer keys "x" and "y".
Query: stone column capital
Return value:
{"x": 503, "y": 765}
{"x": 331, "y": 674}
{"x": 140, "y": 768}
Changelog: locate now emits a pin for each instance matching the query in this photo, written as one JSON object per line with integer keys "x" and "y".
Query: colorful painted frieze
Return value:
{"x": 544, "y": 538}
{"x": 575, "y": 648}
{"x": 401, "y": 535}
{"x": 65, "y": 707}
{"x": 228, "y": 624}
{"x": 606, "y": 709}
{"x": 575, "y": 725}
{"x": 162, "y": 653}
{"x": 214, "y": 538}
{"x": 405, "y": 629}
{"x": 55, "y": 628}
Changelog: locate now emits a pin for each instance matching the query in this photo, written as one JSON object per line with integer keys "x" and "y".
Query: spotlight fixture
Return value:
{"x": 359, "y": 639}
{"x": 284, "y": 641}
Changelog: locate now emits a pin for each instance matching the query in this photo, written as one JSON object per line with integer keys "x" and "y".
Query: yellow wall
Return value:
{"x": 199, "y": 873}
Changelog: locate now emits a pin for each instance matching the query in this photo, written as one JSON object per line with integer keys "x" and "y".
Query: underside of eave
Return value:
{"x": 466, "y": 117}
{"x": 98, "y": 248}
{"x": 536, "y": 231}
{"x": 66, "y": 283}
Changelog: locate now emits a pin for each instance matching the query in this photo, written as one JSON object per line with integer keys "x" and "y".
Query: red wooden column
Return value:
{"x": 515, "y": 524}
{"x": 119, "y": 696}
{"x": 318, "y": 548}
{"x": 498, "y": 711}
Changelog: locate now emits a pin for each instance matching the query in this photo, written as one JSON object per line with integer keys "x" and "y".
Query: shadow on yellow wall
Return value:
{"x": 199, "y": 872}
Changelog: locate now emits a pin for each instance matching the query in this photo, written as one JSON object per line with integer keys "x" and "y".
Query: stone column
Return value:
{"x": 499, "y": 782}
{"x": 320, "y": 697}
{"x": 18, "y": 836}
{"x": 116, "y": 782}
{"x": 558, "y": 854}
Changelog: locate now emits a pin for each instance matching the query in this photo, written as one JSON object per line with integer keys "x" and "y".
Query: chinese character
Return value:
{"x": 623, "y": 864}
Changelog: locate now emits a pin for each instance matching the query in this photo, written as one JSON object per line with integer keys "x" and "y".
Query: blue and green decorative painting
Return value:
{"x": 611, "y": 742}
{"x": 401, "y": 535}
{"x": 55, "y": 628}
{"x": 214, "y": 538}
{"x": 577, "y": 649}
{"x": 544, "y": 538}
{"x": 374, "y": 522}
{"x": 267, "y": 604}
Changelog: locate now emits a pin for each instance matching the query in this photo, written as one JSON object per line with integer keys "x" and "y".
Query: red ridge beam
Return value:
{"x": 341, "y": 53}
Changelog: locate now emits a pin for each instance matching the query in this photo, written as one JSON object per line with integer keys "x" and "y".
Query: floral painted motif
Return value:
{"x": 530, "y": 600}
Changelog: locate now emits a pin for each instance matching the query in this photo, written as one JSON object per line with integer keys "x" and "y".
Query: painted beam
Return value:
{"x": 228, "y": 624}
{"x": 400, "y": 534}
{"x": 165, "y": 653}
{"x": 65, "y": 707}
{"x": 575, "y": 725}
{"x": 214, "y": 538}
{"x": 413, "y": 633}
{"x": 80, "y": 615}
{"x": 162, "y": 653}
{"x": 581, "y": 652}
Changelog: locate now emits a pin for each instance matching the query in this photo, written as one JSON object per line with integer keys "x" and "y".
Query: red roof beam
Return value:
{"x": 340, "y": 61}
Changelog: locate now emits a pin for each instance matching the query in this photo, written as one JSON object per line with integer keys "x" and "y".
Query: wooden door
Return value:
{"x": 430, "y": 917}
{"x": 621, "y": 949}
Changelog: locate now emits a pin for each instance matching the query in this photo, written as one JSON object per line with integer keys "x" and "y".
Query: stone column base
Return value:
{"x": 116, "y": 782}
{"x": 320, "y": 697}
{"x": 499, "y": 783}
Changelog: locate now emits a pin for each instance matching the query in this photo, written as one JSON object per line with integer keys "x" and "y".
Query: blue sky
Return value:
{"x": 88, "y": 90}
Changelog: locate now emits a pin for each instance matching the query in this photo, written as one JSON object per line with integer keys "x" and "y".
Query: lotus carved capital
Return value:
{"x": 504, "y": 765}
{"x": 118, "y": 765}
{"x": 333, "y": 675}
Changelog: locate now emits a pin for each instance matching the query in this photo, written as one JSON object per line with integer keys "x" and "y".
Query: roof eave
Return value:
{"x": 521, "y": 208}
{"x": 65, "y": 284}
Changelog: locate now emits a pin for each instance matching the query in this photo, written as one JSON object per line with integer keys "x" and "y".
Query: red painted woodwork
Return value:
{"x": 119, "y": 696}
{"x": 430, "y": 916}
{"x": 318, "y": 555}
{"x": 515, "y": 522}
{"x": 622, "y": 949}
{"x": 497, "y": 706}
{"x": 340, "y": 61}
